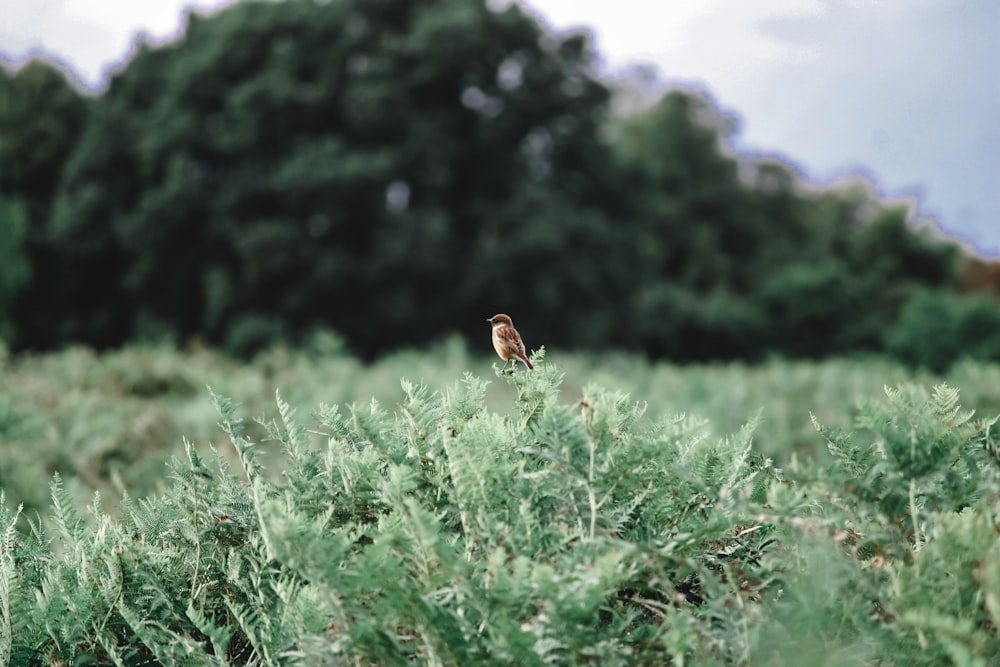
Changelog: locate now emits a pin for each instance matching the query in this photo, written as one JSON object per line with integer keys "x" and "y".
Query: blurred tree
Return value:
{"x": 707, "y": 238}
{"x": 41, "y": 118}
{"x": 739, "y": 258}
{"x": 398, "y": 169}
{"x": 343, "y": 164}
{"x": 814, "y": 309}
{"x": 14, "y": 267}
{"x": 937, "y": 328}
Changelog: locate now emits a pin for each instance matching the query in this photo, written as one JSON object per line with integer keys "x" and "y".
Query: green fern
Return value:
{"x": 9, "y": 543}
{"x": 550, "y": 532}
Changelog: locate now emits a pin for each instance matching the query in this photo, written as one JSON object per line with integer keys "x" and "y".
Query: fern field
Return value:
{"x": 512, "y": 522}
{"x": 110, "y": 422}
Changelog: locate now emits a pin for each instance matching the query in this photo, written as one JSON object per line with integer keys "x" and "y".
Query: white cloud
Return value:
{"x": 90, "y": 36}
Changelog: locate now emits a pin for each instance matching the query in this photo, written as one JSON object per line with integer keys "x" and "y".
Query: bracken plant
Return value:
{"x": 561, "y": 532}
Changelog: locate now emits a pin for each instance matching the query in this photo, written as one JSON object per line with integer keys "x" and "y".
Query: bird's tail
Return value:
{"x": 528, "y": 364}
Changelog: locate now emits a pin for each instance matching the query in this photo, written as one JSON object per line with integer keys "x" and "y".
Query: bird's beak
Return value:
{"x": 490, "y": 320}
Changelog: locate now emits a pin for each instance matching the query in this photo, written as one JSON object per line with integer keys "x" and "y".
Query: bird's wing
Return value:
{"x": 512, "y": 339}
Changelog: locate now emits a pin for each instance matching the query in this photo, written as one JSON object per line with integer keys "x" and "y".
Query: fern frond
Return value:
{"x": 67, "y": 520}
{"x": 422, "y": 414}
{"x": 466, "y": 399}
{"x": 296, "y": 439}
{"x": 371, "y": 423}
{"x": 945, "y": 400}
{"x": 111, "y": 650}
{"x": 232, "y": 426}
{"x": 8, "y": 579}
{"x": 854, "y": 459}
{"x": 536, "y": 390}
{"x": 218, "y": 635}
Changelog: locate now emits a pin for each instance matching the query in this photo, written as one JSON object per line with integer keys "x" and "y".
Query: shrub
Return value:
{"x": 560, "y": 533}
{"x": 818, "y": 309}
{"x": 445, "y": 533}
{"x": 916, "y": 488}
{"x": 937, "y": 329}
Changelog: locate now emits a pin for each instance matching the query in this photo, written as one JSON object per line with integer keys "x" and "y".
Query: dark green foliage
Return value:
{"x": 15, "y": 271}
{"x": 347, "y": 164}
{"x": 805, "y": 302}
{"x": 937, "y": 328}
{"x": 738, "y": 261}
{"x": 565, "y": 533}
{"x": 693, "y": 235}
{"x": 398, "y": 170}
{"x": 41, "y": 118}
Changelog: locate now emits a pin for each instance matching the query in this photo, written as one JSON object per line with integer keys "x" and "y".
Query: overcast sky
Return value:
{"x": 907, "y": 91}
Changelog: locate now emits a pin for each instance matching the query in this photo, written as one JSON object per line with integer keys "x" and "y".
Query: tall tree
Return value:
{"x": 741, "y": 258}
{"x": 699, "y": 235}
{"x": 42, "y": 116}
{"x": 15, "y": 271}
{"x": 295, "y": 164}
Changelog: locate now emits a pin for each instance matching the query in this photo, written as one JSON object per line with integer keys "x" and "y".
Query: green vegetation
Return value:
{"x": 111, "y": 421}
{"x": 532, "y": 519}
{"x": 395, "y": 171}
{"x": 14, "y": 268}
{"x": 391, "y": 170}
{"x": 41, "y": 119}
{"x": 936, "y": 328}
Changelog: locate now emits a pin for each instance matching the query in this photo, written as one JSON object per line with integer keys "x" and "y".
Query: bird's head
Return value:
{"x": 499, "y": 320}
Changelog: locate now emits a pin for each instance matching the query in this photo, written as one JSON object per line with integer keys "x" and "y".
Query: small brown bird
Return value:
{"x": 507, "y": 342}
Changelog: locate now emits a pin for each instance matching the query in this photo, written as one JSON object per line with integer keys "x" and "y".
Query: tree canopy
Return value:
{"x": 397, "y": 170}
{"x": 351, "y": 165}
{"x": 41, "y": 118}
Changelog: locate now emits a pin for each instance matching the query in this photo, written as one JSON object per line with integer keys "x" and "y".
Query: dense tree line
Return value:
{"x": 41, "y": 117}
{"x": 397, "y": 170}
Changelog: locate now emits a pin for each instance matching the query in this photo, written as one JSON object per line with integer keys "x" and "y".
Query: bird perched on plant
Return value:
{"x": 507, "y": 342}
